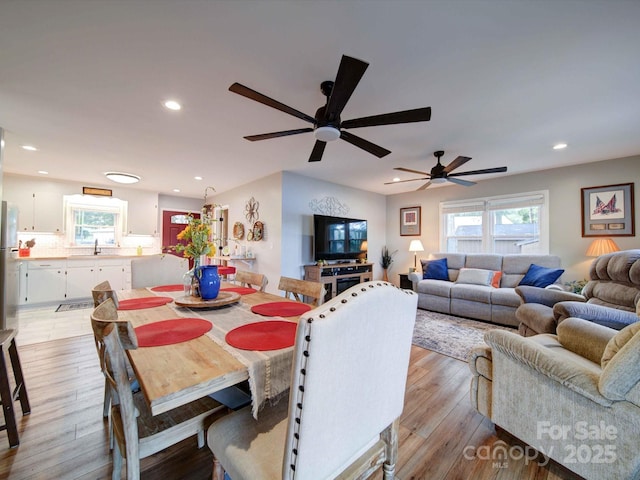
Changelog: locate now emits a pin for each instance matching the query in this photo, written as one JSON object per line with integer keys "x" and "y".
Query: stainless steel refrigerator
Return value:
{"x": 9, "y": 267}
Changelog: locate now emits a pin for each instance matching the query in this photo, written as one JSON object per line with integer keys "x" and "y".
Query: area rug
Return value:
{"x": 65, "y": 307}
{"x": 450, "y": 335}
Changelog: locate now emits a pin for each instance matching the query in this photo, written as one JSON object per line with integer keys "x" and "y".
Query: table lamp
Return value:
{"x": 602, "y": 246}
{"x": 415, "y": 246}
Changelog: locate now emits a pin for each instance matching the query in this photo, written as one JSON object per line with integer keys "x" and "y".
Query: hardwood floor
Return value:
{"x": 65, "y": 436}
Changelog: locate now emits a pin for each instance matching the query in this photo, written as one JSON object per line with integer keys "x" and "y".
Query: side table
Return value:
{"x": 405, "y": 282}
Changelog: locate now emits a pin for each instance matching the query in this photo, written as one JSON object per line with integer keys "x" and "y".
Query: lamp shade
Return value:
{"x": 601, "y": 246}
{"x": 416, "y": 246}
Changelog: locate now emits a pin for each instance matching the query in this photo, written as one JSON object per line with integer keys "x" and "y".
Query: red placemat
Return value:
{"x": 226, "y": 270}
{"x": 178, "y": 287}
{"x": 271, "y": 335}
{"x": 281, "y": 309}
{"x": 144, "y": 302}
{"x": 167, "y": 332}
{"x": 240, "y": 290}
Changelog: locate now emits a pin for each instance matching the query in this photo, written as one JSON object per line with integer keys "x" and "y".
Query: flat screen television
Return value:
{"x": 339, "y": 238}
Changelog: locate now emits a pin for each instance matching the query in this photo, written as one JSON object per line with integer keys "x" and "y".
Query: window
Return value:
{"x": 505, "y": 224}
{"x": 89, "y": 219}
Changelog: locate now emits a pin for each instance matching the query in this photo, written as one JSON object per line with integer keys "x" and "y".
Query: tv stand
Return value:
{"x": 338, "y": 277}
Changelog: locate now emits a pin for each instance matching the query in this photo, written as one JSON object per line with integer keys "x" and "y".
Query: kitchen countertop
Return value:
{"x": 82, "y": 257}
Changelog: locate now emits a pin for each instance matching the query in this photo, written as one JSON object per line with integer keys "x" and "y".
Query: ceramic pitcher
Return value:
{"x": 209, "y": 281}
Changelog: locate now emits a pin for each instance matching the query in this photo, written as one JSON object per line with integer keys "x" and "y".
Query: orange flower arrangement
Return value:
{"x": 198, "y": 237}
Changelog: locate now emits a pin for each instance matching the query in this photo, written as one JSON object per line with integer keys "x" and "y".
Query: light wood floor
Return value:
{"x": 65, "y": 436}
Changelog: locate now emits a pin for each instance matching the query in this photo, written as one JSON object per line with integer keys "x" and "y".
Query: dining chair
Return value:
{"x": 351, "y": 357}
{"x": 298, "y": 289}
{"x": 251, "y": 279}
{"x": 102, "y": 291}
{"x": 139, "y": 434}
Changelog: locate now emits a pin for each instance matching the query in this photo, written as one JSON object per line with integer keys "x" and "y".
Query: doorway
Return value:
{"x": 174, "y": 222}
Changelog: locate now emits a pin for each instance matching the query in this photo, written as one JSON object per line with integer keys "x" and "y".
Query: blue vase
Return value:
{"x": 209, "y": 281}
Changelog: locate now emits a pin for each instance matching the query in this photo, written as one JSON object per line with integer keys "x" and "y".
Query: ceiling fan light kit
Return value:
{"x": 327, "y": 125}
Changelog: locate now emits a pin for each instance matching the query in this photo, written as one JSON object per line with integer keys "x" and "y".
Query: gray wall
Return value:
{"x": 565, "y": 229}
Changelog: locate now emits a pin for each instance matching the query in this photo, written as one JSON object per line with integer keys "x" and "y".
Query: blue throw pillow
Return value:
{"x": 538, "y": 276}
{"x": 435, "y": 269}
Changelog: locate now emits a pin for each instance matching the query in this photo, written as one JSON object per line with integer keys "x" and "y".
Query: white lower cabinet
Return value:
{"x": 60, "y": 280}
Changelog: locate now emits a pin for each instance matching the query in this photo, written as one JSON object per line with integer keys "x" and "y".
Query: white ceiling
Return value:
{"x": 84, "y": 82}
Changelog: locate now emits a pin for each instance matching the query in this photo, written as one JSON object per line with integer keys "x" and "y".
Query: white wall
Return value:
{"x": 564, "y": 185}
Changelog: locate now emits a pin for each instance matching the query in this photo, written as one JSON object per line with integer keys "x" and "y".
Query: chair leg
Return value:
{"x": 390, "y": 438}
{"x": 106, "y": 405}
{"x": 7, "y": 403}
{"x": 201, "y": 440}
{"x": 218, "y": 471}
{"x": 117, "y": 463}
{"x": 21, "y": 388}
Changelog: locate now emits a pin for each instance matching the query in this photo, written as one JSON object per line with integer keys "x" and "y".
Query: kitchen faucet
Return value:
{"x": 95, "y": 248}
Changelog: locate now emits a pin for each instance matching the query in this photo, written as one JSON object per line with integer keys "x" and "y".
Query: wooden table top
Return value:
{"x": 173, "y": 375}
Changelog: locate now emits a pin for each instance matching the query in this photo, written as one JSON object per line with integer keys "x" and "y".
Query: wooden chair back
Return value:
{"x": 251, "y": 279}
{"x": 298, "y": 289}
{"x": 102, "y": 292}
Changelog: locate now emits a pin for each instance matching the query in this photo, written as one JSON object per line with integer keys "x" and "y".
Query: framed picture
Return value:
{"x": 410, "y": 221}
{"x": 607, "y": 211}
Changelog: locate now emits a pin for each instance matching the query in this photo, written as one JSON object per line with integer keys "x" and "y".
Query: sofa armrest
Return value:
{"x": 415, "y": 277}
{"x": 585, "y": 338}
{"x": 546, "y": 296}
{"x": 609, "y": 317}
{"x": 567, "y": 373}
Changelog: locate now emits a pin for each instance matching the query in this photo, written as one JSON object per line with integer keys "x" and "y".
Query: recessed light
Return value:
{"x": 120, "y": 177}
{"x": 177, "y": 190}
{"x": 31, "y": 148}
{"x": 43, "y": 172}
{"x": 172, "y": 105}
{"x": 559, "y": 146}
{"x": 396, "y": 179}
{"x": 198, "y": 178}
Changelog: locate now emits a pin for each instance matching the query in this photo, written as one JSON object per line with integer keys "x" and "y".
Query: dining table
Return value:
{"x": 175, "y": 374}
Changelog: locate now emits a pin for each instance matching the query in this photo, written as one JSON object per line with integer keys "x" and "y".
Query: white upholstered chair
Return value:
{"x": 139, "y": 434}
{"x": 347, "y": 392}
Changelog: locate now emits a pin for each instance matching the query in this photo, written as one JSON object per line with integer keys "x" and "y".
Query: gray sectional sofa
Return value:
{"x": 482, "y": 302}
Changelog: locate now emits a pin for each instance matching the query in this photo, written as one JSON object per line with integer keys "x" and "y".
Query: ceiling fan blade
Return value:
{"x": 425, "y": 186}
{"x": 412, "y": 171}
{"x": 318, "y": 150}
{"x": 456, "y": 163}
{"x": 270, "y": 102}
{"x": 478, "y": 172}
{"x": 349, "y": 74}
{"x": 406, "y": 116}
{"x": 285, "y": 133}
{"x": 459, "y": 181}
{"x": 410, "y": 180}
{"x": 372, "y": 148}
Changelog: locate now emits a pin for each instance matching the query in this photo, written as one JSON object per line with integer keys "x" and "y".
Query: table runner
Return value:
{"x": 269, "y": 371}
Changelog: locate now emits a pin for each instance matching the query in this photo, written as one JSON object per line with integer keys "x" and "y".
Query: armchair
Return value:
{"x": 584, "y": 407}
{"x": 609, "y": 298}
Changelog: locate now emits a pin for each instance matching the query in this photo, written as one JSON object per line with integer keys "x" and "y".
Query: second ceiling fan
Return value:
{"x": 327, "y": 124}
{"x": 440, "y": 174}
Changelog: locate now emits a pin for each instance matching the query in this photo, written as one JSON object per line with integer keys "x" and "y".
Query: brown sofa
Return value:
{"x": 610, "y": 298}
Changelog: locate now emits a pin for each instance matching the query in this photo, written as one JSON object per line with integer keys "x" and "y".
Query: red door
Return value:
{"x": 172, "y": 224}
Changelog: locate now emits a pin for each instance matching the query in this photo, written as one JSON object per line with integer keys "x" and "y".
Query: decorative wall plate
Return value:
{"x": 226, "y": 251}
{"x": 258, "y": 231}
{"x": 238, "y": 231}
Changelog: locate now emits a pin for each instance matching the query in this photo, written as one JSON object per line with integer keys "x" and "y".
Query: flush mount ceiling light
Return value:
{"x": 120, "y": 177}
{"x": 172, "y": 105}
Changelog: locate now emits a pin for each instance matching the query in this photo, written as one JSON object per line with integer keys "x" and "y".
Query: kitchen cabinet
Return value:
{"x": 40, "y": 205}
{"x": 142, "y": 213}
{"x": 46, "y": 281}
{"x": 49, "y": 281}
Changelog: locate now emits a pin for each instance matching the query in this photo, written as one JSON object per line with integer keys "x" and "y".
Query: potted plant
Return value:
{"x": 386, "y": 260}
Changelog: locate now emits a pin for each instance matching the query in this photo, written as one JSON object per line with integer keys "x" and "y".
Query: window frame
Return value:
{"x": 73, "y": 203}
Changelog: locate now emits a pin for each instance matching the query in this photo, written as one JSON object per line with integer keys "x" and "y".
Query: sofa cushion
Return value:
{"x": 473, "y": 293}
{"x": 475, "y": 276}
{"x": 505, "y": 296}
{"x": 439, "y": 288}
{"x": 538, "y": 276}
{"x": 435, "y": 269}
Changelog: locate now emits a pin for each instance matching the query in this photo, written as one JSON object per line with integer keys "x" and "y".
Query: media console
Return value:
{"x": 339, "y": 277}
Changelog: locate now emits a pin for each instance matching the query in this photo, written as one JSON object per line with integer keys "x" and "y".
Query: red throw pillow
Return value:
{"x": 495, "y": 281}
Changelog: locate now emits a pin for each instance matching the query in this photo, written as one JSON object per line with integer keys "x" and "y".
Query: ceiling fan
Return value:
{"x": 327, "y": 125}
{"x": 441, "y": 174}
